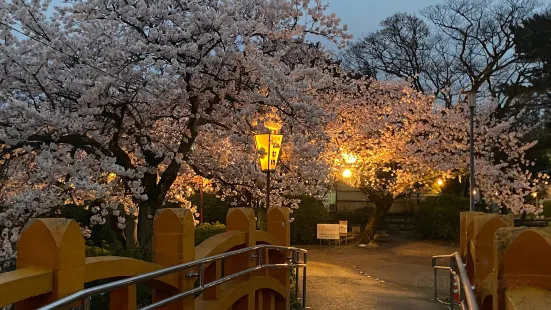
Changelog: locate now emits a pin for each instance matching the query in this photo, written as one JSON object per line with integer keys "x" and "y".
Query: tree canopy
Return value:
{"x": 116, "y": 106}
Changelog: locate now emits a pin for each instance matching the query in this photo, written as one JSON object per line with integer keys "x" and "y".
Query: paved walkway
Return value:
{"x": 397, "y": 277}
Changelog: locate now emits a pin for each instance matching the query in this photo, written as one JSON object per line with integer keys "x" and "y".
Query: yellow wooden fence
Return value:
{"x": 51, "y": 263}
{"x": 510, "y": 267}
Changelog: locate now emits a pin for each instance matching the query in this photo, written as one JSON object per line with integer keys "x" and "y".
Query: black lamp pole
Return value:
{"x": 471, "y": 95}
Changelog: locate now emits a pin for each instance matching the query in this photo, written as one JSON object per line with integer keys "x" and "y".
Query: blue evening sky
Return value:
{"x": 364, "y": 16}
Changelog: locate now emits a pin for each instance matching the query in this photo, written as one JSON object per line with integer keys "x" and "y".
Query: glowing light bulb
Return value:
{"x": 347, "y": 173}
{"x": 440, "y": 182}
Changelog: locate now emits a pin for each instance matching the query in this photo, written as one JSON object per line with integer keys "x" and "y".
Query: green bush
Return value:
{"x": 207, "y": 230}
{"x": 547, "y": 208}
{"x": 105, "y": 248}
{"x": 214, "y": 208}
{"x": 357, "y": 217}
{"x": 438, "y": 217}
{"x": 310, "y": 213}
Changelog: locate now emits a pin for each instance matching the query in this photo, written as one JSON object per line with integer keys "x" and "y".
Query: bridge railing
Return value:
{"x": 508, "y": 267}
{"x": 295, "y": 261}
{"x": 461, "y": 290}
{"x": 51, "y": 265}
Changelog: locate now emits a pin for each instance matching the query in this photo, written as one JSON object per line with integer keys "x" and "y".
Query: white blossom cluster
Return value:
{"x": 117, "y": 106}
{"x": 403, "y": 142}
{"x": 114, "y": 105}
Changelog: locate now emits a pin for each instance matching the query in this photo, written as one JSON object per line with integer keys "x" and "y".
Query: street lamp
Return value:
{"x": 535, "y": 195}
{"x": 270, "y": 144}
{"x": 347, "y": 173}
{"x": 471, "y": 97}
{"x": 440, "y": 182}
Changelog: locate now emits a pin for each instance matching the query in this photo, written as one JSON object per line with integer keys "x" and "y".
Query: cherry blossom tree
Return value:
{"x": 116, "y": 105}
{"x": 394, "y": 141}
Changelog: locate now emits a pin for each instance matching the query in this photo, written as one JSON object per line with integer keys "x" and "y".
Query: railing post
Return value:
{"x": 174, "y": 244}
{"x": 55, "y": 244}
{"x": 304, "y": 281}
{"x": 296, "y": 261}
{"x": 435, "y": 272}
{"x": 278, "y": 226}
{"x": 452, "y": 276}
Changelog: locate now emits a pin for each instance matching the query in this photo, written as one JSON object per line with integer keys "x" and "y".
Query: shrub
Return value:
{"x": 214, "y": 208}
{"x": 438, "y": 217}
{"x": 357, "y": 217}
{"x": 310, "y": 213}
{"x": 547, "y": 208}
{"x": 105, "y": 248}
{"x": 207, "y": 230}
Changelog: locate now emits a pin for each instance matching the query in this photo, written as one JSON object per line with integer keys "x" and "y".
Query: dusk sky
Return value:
{"x": 364, "y": 16}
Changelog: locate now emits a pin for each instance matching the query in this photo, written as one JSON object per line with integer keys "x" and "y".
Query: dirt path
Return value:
{"x": 393, "y": 276}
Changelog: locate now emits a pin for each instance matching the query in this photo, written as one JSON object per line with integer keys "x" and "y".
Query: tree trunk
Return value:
{"x": 116, "y": 233}
{"x": 145, "y": 226}
{"x": 131, "y": 231}
{"x": 383, "y": 204}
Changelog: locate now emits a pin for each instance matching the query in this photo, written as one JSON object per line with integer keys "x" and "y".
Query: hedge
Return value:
{"x": 438, "y": 217}
{"x": 207, "y": 230}
{"x": 547, "y": 208}
{"x": 310, "y": 213}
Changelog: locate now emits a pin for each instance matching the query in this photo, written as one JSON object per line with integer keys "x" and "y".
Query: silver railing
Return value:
{"x": 457, "y": 272}
{"x": 292, "y": 261}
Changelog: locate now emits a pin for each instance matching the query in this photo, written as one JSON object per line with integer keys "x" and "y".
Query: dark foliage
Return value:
{"x": 438, "y": 217}
{"x": 310, "y": 213}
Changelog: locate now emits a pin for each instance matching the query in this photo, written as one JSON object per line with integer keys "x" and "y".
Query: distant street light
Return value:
{"x": 535, "y": 195}
{"x": 440, "y": 182}
{"x": 347, "y": 173}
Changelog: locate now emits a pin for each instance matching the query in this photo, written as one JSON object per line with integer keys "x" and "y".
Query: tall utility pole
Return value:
{"x": 268, "y": 189}
{"x": 471, "y": 97}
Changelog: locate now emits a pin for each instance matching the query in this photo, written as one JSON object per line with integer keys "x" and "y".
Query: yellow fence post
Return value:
{"x": 55, "y": 244}
{"x": 465, "y": 218}
{"x": 124, "y": 298}
{"x": 278, "y": 226}
{"x": 242, "y": 219}
{"x": 174, "y": 244}
{"x": 482, "y": 245}
{"x": 522, "y": 273}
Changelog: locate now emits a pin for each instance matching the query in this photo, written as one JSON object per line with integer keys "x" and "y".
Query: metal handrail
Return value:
{"x": 456, "y": 267}
{"x": 201, "y": 275}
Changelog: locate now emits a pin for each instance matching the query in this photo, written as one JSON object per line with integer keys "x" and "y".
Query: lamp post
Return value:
{"x": 535, "y": 195}
{"x": 201, "y": 183}
{"x": 270, "y": 144}
{"x": 471, "y": 97}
